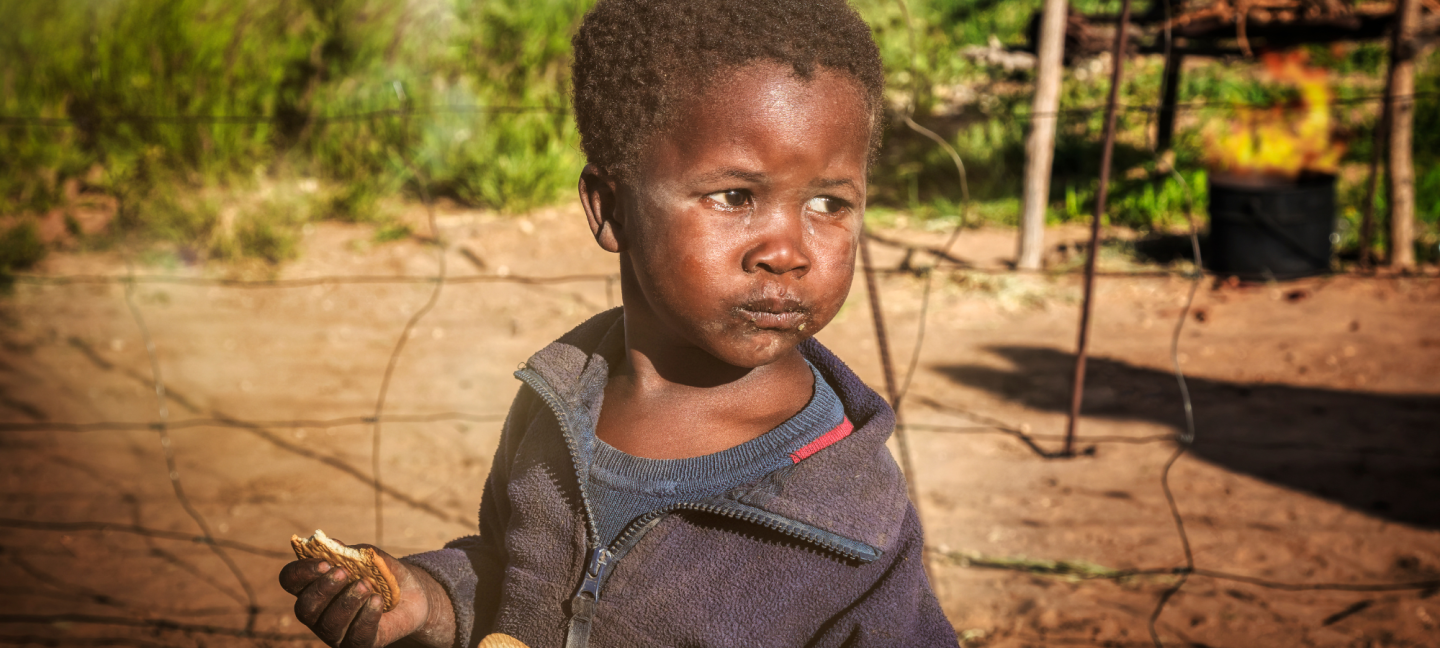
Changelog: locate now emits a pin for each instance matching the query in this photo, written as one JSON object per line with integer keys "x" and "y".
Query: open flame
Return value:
{"x": 1280, "y": 141}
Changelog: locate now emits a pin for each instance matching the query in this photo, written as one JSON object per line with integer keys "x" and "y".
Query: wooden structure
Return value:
{"x": 1187, "y": 28}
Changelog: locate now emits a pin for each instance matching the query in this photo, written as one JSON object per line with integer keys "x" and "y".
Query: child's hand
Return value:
{"x": 348, "y": 615}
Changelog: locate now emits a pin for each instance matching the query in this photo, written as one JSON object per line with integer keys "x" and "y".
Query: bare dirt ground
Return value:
{"x": 1316, "y": 461}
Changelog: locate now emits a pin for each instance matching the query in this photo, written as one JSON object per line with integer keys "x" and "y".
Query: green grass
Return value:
{"x": 305, "y": 61}
{"x": 99, "y": 63}
{"x": 1427, "y": 162}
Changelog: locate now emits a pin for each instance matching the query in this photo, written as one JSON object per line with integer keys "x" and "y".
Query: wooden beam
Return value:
{"x": 1365, "y": 26}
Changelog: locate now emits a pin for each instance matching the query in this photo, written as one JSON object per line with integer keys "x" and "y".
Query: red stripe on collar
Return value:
{"x": 826, "y": 440}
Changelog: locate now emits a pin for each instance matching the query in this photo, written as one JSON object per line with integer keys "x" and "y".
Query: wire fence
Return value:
{"x": 1014, "y": 112}
{"x": 246, "y": 599}
{"x": 163, "y": 424}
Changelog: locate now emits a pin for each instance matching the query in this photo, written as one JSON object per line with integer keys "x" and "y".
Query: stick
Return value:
{"x": 1077, "y": 390}
{"x": 883, "y": 341}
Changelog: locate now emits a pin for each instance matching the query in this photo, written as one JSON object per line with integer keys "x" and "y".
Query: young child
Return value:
{"x": 691, "y": 469}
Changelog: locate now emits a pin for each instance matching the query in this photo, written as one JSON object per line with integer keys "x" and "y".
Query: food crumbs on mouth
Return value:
{"x": 802, "y": 326}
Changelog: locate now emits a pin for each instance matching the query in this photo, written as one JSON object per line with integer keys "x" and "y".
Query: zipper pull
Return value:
{"x": 582, "y": 606}
{"x": 599, "y": 561}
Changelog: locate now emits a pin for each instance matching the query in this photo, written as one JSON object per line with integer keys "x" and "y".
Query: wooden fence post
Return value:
{"x": 1169, "y": 96}
{"x": 1402, "y": 121}
{"x": 1040, "y": 146}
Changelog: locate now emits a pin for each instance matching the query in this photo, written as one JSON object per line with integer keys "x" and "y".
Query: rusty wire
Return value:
{"x": 302, "y": 282}
{"x": 252, "y": 608}
{"x": 404, "y": 337}
{"x": 33, "y": 121}
{"x": 227, "y": 422}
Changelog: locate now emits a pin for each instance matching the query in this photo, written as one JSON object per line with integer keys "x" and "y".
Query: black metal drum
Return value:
{"x": 1263, "y": 228}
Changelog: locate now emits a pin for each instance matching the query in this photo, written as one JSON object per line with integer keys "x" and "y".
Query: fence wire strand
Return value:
{"x": 34, "y": 121}
{"x": 226, "y": 422}
{"x": 252, "y": 608}
{"x": 301, "y": 282}
{"x": 400, "y": 345}
{"x": 1187, "y": 436}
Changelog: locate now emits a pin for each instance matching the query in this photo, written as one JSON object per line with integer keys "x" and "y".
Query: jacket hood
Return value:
{"x": 851, "y": 488}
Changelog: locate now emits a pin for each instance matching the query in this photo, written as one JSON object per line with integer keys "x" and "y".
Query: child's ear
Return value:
{"x": 598, "y": 191}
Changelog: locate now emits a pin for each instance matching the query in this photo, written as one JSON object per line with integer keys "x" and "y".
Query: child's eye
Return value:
{"x": 825, "y": 204}
{"x": 730, "y": 197}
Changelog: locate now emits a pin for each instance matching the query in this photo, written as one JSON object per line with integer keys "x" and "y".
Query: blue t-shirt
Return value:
{"x": 623, "y": 487}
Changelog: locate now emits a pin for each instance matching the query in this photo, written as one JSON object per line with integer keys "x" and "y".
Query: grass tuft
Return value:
{"x": 1071, "y": 570}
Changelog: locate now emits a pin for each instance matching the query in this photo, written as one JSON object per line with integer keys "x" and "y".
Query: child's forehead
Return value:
{"x": 772, "y": 98}
{"x": 763, "y": 79}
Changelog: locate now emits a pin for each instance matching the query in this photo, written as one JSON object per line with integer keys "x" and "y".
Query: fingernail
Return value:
{"x": 362, "y": 588}
{"x": 337, "y": 575}
{"x": 322, "y": 567}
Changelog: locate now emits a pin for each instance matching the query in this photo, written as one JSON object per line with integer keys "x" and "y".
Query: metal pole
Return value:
{"x": 1117, "y": 59}
{"x": 883, "y": 341}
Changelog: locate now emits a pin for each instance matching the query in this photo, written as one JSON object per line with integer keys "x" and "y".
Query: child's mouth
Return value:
{"x": 775, "y": 313}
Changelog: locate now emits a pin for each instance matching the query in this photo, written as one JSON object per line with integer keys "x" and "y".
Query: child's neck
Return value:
{"x": 675, "y": 401}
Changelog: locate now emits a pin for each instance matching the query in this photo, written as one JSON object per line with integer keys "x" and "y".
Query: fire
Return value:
{"x": 1280, "y": 141}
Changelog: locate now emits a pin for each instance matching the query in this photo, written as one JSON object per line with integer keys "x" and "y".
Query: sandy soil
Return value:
{"x": 1315, "y": 460}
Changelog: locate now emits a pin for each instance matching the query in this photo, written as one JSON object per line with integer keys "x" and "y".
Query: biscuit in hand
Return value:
{"x": 499, "y": 640}
{"x": 358, "y": 563}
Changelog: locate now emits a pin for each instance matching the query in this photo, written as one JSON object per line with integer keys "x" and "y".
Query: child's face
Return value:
{"x": 739, "y": 226}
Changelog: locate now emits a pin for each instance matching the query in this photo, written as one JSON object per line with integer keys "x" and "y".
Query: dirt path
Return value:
{"x": 1315, "y": 459}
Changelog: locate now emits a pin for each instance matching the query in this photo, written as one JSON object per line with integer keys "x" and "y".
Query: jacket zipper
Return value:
{"x": 601, "y": 560}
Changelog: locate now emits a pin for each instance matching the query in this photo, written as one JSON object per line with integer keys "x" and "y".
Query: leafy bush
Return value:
{"x": 20, "y": 247}
{"x": 109, "y": 67}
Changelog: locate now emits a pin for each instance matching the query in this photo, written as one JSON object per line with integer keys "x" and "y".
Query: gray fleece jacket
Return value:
{"x": 823, "y": 552}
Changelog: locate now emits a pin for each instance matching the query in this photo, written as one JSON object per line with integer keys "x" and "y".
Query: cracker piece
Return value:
{"x": 501, "y": 640}
{"x": 357, "y": 563}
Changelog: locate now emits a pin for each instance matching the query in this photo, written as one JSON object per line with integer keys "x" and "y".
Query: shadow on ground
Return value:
{"x": 1377, "y": 453}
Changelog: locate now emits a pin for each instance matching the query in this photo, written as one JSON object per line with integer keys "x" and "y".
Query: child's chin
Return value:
{"x": 758, "y": 348}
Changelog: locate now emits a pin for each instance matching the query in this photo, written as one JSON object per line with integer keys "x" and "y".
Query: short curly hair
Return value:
{"x": 634, "y": 59}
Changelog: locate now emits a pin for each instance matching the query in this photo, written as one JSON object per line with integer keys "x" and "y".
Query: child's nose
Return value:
{"x": 779, "y": 245}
